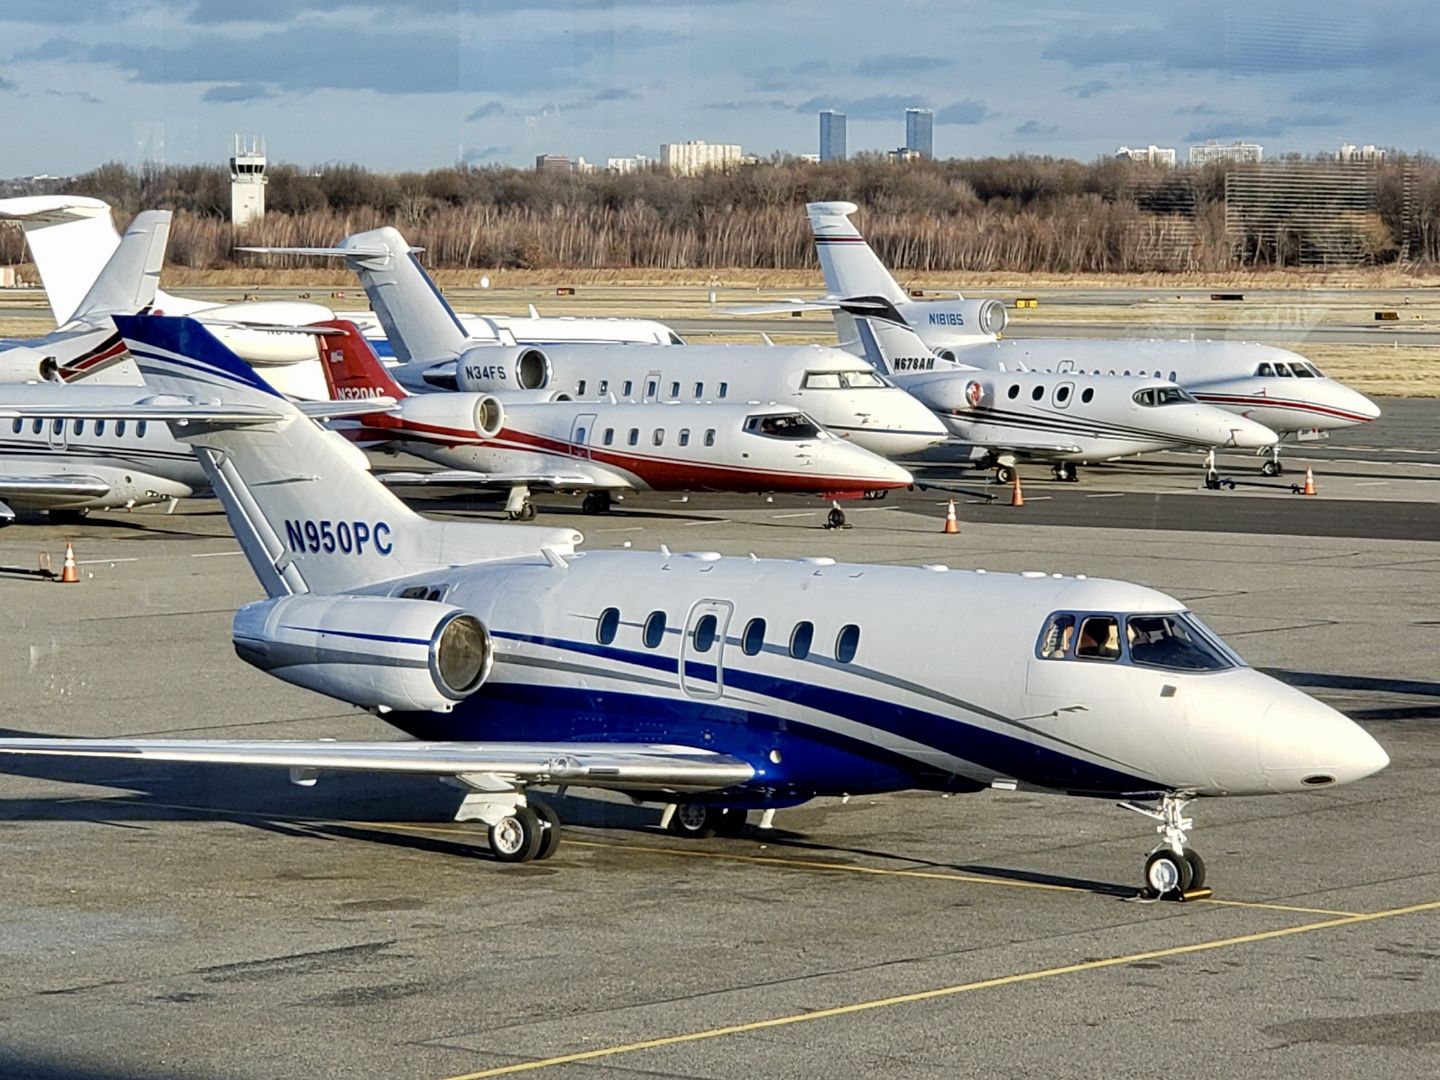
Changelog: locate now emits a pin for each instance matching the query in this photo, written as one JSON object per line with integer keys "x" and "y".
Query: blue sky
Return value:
{"x": 417, "y": 84}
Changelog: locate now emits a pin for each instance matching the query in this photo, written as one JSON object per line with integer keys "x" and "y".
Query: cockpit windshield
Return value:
{"x": 1161, "y": 395}
{"x": 842, "y": 380}
{"x": 783, "y": 426}
{"x": 1176, "y": 642}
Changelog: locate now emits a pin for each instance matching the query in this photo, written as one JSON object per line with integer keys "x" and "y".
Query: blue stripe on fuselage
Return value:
{"x": 565, "y": 713}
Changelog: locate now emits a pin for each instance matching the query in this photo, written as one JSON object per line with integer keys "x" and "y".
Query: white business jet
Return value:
{"x": 719, "y": 684}
{"x": 1272, "y": 386}
{"x": 603, "y": 447}
{"x": 1064, "y": 419}
{"x": 844, "y": 394}
{"x": 85, "y": 342}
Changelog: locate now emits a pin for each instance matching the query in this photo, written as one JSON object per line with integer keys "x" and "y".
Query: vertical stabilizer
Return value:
{"x": 307, "y": 513}
{"x": 892, "y": 348}
{"x": 850, "y": 267}
{"x": 352, "y": 370}
{"x": 70, "y": 237}
{"x": 129, "y": 280}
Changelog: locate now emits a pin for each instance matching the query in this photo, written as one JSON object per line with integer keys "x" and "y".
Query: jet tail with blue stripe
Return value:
{"x": 300, "y": 499}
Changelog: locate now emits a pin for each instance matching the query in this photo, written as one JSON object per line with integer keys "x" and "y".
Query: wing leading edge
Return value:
{"x": 623, "y": 766}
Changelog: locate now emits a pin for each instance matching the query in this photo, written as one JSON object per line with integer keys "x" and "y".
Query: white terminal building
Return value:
{"x": 1351, "y": 152}
{"x": 247, "y": 180}
{"x": 696, "y": 156}
{"x": 1149, "y": 155}
{"x": 1244, "y": 153}
{"x": 638, "y": 163}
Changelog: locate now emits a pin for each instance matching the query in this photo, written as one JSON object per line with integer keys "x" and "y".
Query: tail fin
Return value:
{"x": 130, "y": 278}
{"x": 352, "y": 370}
{"x": 850, "y": 267}
{"x": 419, "y": 322}
{"x": 892, "y": 348}
{"x": 307, "y": 513}
{"x": 70, "y": 238}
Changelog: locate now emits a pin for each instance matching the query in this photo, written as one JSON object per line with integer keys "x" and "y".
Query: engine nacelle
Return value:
{"x": 482, "y": 414}
{"x": 487, "y": 369}
{"x": 375, "y": 651}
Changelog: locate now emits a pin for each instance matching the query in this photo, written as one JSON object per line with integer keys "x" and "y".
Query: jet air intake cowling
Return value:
{"x": 374, "y": 651}
{"x": 481, "y": 414}
{"x": 489, "y": 369}
{"x": 986, "y": 316}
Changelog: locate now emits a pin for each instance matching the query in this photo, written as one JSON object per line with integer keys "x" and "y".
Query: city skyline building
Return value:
{"x": 1240, "y": 152}
{"x": 832, "y": 135}
{"x": 696, "y": 156}
{"x": 920, "y": 132}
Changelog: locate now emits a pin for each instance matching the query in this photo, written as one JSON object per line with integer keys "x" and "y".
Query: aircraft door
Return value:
{"x": 1063, "y": 393}
{"x": 702, "y": 649}
{"x": 581, "y": 431}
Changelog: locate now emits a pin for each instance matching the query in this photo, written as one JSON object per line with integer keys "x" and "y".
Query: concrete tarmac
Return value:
{"x": 180, "y": 922}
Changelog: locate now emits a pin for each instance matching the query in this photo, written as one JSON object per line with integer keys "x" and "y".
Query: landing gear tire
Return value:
{"x": 525, "y": 513}
{"x": 1004, "y": 474}
{"x": 695, "y": 820}
{"x": 516, "y": 837}
{"x": 596, "y": 502}
{"x": 732, "y": 822}
{"x": 1272, "y": 468}
{"x": 835, "y": 519}
{"x": 875, "y": 496}
{"x": 1197, "y": 868}
{"x": 1167, "y": 875}
{"x": 549, "y": 830}
{"x": 1066, "y": 471}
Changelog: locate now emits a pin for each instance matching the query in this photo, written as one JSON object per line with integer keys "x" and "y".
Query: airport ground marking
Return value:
{"x": 947, "y": 991}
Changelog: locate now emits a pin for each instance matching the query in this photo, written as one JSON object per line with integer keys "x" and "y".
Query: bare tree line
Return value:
{"x": 1020, "y": 214}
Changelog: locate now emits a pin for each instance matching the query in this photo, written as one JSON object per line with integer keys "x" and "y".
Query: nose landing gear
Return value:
{"x": 1273, "y": 467}
{"x": 1172, "y": 870}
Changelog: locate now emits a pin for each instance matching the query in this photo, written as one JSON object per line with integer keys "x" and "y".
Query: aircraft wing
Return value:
{"x": 623, "y": 766}
{"x": 1032, "y": 447}
{"x": 178, "y": 412}
{"x": 58, "y": 485}
{"x": 461, "y": 477}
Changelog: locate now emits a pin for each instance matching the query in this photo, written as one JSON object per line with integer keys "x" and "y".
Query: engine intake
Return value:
{"x": 488, "y": 369}
{"x": 375, "y": 651}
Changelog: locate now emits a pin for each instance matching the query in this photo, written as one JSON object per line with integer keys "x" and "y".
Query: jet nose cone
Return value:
{"x": 1362, "y": 405}
{"x": 1305, "y": 744}
{"x": 1247, "y": 434}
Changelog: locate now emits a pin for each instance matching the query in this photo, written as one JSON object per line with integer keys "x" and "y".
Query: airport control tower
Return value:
{"x": 247, "y": 180}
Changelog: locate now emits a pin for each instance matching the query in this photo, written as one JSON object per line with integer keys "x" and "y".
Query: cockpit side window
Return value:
{"x": 783, "y": 426}
{"x": 1059, "y": 636}
{"x": 1302, "y": 371}
{"x": 1099, "y": 638}
{"x": 1172, "y": 641}
{"x": 1283, "y": 370}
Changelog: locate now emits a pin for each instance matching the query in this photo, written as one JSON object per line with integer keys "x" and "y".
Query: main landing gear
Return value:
{"x": 596, "y": 502}
{"x": 1172, "y": 870}
{"x": 698, "y": 821}
{"x": 1004, "y": 474}
{"x": 519, "y": 828}
{"x": 1066, "y": 471}
{"x": 518, "y": 506}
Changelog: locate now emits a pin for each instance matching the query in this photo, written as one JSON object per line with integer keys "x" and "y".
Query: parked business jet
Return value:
{"x": 69, "y": 448}
{"x": 86, "y": 342}
{"x": 1273, "y": 386}
{"x": 603, "y": 447}
{"x": 842, "y": 393}
{"x": 723, "y": 684}
{"x": 1065, "y": 419}
{"x": 72, "y": 237}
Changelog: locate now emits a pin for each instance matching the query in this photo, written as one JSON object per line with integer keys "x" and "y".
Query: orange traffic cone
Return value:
{"x": 1309, "y": 488}
{"x": 68, "y": 572}
{"x": 1017, "y": 497}
{"x": 951, "y": 524}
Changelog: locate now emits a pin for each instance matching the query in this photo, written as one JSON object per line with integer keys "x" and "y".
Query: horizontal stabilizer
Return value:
{"x": 339, "y": 410}
{"x": 357, "y": 252}
{"x": 174, "y": 412}
{"x": 608, "y": 765}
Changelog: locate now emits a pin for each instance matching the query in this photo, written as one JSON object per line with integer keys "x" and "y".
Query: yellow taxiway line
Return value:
{"x": 943, "y": 992}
